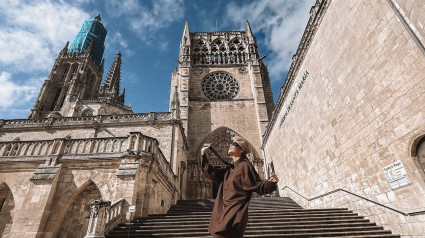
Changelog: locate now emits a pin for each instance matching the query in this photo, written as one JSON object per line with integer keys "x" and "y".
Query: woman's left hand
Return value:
{"x": 273, "y": 178}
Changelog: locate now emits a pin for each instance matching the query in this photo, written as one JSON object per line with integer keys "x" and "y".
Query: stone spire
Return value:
{"x": 185, "y": 38}
{"x": 185, "y": 44}
{"x": 249, "y": 33}
{"x": 175, "y": 104}
{"x": 111, "y": 88}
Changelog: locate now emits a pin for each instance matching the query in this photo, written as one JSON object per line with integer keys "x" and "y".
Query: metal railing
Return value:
{"x": 356, "y": 195}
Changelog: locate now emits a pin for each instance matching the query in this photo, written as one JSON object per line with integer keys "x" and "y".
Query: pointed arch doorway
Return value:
{"x": 200, "y": 187}
{"x": 7, "y": 206}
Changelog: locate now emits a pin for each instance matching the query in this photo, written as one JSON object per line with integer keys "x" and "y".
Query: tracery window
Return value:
{"x": 220, "y": 86}
{"x": 221, "y": 50}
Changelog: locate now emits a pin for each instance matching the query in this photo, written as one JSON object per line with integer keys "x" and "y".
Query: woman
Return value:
{"x": 237, "y": 182}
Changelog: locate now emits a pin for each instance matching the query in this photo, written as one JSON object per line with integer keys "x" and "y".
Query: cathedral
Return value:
{"x": 347, "y": 130}
{"x": 80, "y": 142}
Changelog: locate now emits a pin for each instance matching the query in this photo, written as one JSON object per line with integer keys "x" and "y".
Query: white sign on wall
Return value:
{"x": 396, "y": 175}
{"x": 131, "y": 209}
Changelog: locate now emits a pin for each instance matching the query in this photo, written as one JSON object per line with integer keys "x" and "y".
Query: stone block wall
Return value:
{"x": 355, "y": 106}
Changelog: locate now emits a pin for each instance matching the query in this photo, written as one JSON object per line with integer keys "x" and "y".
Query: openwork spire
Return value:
{"x": 111, "y": 87}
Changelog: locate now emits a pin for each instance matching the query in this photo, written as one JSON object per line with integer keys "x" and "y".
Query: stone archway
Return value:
{"x": 199, "y": 187}
{"x": 76, "y": 214}
{"x": 7, "y": 206}
{"x": 418, "y": 152}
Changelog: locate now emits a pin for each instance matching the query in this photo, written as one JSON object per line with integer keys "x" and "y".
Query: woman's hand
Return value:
{"x": 273, "y": 178}
{"x": 205, "y": 149}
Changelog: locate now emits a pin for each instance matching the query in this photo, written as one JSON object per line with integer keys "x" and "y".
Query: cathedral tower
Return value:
{"x": 73, "y": 86}
{"x": 223, "y": 90}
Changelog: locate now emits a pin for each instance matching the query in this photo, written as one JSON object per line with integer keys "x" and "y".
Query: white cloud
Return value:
{"x": 33, "y": 32}
{"x": 117, "y": 41}
{"x": 145, "y": 20}
{"x": 31, "y": 35}
{"x": 281, "y": 21}
{"x": 12, "y": 94}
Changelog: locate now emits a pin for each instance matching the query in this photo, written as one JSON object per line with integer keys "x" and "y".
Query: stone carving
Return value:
{"x": 98, "y": 212}
{"x": 243, "y": 70}
{"x": 200, "y": 71}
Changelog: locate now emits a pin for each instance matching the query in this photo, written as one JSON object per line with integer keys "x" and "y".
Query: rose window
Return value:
{"x": 220, "y": 86}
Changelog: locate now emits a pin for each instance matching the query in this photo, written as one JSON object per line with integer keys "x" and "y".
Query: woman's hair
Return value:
{"x": 243, "y": 155}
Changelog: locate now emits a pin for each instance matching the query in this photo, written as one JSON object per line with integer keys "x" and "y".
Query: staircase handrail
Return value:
{"x": 115, "y": 214}
{"x": 356, "y": 195}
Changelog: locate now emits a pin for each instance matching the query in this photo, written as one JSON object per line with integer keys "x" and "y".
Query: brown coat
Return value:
{"x": 237, "y": 182}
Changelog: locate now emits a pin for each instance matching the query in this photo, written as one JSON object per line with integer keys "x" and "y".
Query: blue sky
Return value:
{"x": 146, "y": 32}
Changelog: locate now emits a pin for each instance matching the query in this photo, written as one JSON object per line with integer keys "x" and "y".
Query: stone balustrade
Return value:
{"x": 218, "y": 33}
{"x": 135, "y": 143}
{"x": 85, "y": 120}
{"x": 222, "y": 58}
{"x": 115, "y": 215}
{"x": 141, "y": 143}
{"x": 63, "y": 147}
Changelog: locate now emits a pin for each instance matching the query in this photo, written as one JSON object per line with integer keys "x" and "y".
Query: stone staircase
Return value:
{"x": 268, "y": 217}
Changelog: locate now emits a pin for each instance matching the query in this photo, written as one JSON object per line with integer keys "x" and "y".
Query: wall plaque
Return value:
{"x": 396, "y": 175}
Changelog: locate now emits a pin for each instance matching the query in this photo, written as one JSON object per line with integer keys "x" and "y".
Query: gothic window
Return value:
{"x": 87, "y": 112}
{"x": 65, "y": 72}
{"x": 75, "y": 69}
{"x": 55, "y": 100}
{"x": 220, "y": 86}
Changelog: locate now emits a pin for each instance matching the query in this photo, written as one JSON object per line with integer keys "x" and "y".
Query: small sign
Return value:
{"x": 396, "y": 175}
{"x": 131, "y": 209}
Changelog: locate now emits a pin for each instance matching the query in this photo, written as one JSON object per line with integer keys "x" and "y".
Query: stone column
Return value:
{"x": 98, "y": 212}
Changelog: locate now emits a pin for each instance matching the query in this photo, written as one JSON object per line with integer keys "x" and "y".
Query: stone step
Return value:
{"x": 262, "y": 233}
{"x": 206, "y": 219}
{"x": 254, "y": 222}
{"x": 262, "y": 212}
{"x": 253, "y": 219}
{"x": 268, "y": 217}
{"x": 255, "y": 226}
{"x": 251, "y": 206}
{"x": 256, "y": 230}
{"x": 253, "y": 211}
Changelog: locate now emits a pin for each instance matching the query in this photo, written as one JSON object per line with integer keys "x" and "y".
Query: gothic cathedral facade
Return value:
{"x": 224, "y": 90}
{"x": 81, "y": 143}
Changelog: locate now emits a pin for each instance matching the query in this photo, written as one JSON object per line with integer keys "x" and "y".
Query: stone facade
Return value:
{"x": 352, "y": 105}
{"x": 238, "y": 102}
{"x": 82, "y": 147}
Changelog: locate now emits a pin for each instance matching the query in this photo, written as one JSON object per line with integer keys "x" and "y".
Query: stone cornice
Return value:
{"x": 317, "y": 13}
{"x": 87, "y": 121}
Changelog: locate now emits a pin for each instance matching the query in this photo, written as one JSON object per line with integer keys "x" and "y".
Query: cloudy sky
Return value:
{"x": 146, "y": 32}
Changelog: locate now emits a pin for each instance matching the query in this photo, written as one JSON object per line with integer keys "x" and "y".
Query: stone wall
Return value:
{"x": 353, "y": 106}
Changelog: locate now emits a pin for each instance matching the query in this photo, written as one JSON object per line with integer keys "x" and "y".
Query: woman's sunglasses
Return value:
{"x": 235, "y": 144}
